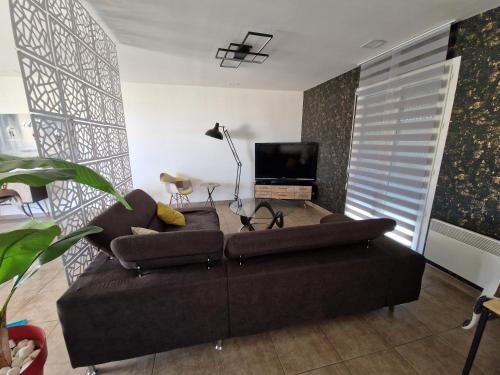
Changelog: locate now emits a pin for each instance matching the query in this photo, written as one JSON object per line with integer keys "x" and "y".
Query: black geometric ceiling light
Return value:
{"x": 248, "y": 51}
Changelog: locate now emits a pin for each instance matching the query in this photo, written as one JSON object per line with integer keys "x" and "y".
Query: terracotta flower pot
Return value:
{"x": 38, "y": 335}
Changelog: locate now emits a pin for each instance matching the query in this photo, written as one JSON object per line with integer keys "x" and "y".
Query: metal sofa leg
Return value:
{"x": 218, "y": 345}
{"x": 91, "y": 370}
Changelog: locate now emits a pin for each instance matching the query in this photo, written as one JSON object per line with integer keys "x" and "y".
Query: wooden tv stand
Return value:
{"x": 299, "y": 192}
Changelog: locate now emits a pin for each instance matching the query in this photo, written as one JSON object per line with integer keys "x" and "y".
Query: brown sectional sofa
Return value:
{"x": 177, "y": 288}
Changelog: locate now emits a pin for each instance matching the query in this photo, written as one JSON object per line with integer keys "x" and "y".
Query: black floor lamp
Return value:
{"x": 216, "y": 133}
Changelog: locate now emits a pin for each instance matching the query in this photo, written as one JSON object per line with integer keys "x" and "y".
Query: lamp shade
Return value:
{"x": 214, "y": 132}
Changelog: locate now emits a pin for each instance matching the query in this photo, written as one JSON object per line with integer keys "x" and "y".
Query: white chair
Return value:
{"x": 179, "y": 189}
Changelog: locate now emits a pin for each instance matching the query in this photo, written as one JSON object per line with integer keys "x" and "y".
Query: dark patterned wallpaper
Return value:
{"x": 469, "y": 180}
{"x": 327, "y": 119}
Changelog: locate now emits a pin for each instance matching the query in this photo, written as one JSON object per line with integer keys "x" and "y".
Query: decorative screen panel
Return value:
{"x": 70, "y": 71}
{"x": 31, "y": 28}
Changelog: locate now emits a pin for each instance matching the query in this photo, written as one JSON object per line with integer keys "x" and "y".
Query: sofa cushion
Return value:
{"x": 197, "y": 218}
{"x": 143, "y": 231}
{"x": 169, "y": 215}
{"x": 168, "y": 249}
{"x": 309, "y": 237}
{"x": 117, "y": 220}
{"x": 157, "y": 224}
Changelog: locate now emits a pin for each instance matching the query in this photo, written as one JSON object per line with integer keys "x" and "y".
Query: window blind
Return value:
{"x": 397, "y": 133}
{"x": 426, "y": 50}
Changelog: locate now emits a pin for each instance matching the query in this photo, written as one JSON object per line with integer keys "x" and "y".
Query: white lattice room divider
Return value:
{"x": 70, "y": 71}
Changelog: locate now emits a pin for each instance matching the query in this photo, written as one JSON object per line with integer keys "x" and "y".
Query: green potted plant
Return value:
{"x": 24, "y": 250}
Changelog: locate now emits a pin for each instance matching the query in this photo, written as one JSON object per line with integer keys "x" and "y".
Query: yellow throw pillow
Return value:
{"x": 170, "y": 216}
{"x": 138, "y": 231}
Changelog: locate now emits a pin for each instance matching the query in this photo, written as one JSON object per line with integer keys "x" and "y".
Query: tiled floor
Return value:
{"x": 419, "y": 338}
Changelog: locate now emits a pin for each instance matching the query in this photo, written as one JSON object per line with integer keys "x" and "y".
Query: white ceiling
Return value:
{"x": 174, "y": 41}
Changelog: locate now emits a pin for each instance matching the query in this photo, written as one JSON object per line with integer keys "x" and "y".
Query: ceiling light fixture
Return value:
{"x": 248, "y": 51}
{"x": 376, "y": 43}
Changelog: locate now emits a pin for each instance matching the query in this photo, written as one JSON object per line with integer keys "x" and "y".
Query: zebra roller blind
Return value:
{"x": 429, "y": 49}
{"x": 398, "y": 135}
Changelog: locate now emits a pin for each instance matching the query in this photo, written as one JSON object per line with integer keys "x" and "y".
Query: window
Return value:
{"x": 399, "y": 132}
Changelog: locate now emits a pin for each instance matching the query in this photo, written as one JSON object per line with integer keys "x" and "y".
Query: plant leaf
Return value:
{"x": 37, "y": 177}
{"x": 83, "y": 174}
{"x": 60, "y": 246}
{"x": 20, "y": 247}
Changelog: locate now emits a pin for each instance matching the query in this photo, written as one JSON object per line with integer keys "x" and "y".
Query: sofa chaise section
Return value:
{"x": 117, "y": 221}
{"x": 111, "y": 313}
{"x": 156, "y": 293}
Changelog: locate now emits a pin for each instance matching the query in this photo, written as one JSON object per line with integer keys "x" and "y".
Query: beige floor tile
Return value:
{"x": 249, "y": 355}
{"x": 58, "y": 359}
{"x": 452, "y": 296}
{"x": 44, "y": 276}
{"x": 336, "y": 369}
{"x": 488, "y": 355}
{"x": 19, "y": 300}
{"x": 429, "y": 310}
{"x": 195, "y": 360}
{"x": 434, "y": 276}
{"x": 493, "y": 328}
{"x": 29, "y": 289}
{"x": 352, "y": 336}
{"x": 134, "y": 366}
{"x": 303, "y": 348}
{"x": 48, "y": 327}
{"x": 42, "y": 307}
{"x": 387, "y": 362}
{"x": 434, "y": 356}
{"x": 397, "y": 327}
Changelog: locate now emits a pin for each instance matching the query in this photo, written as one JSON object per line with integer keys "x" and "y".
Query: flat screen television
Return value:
{"x": 286, "y": 161}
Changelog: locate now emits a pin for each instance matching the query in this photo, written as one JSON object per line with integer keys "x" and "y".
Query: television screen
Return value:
{"x": 286, "y": 161}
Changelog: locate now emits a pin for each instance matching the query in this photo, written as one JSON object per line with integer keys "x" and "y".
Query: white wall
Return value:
{"x": 166, "y": 126}
{"x": 12, "y": 96}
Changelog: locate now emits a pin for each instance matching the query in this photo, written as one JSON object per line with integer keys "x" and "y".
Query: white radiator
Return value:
{"x": 470, "y": 255}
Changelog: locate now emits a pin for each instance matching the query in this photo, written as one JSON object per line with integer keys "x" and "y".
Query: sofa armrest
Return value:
{"x": 168, "y": 248}
{"x": 407, "y": 270}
